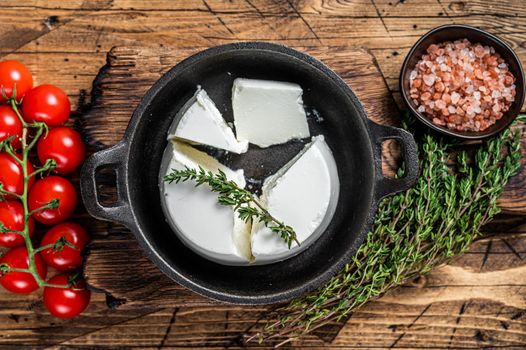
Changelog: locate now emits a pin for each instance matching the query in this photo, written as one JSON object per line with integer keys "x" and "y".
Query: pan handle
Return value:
{"x": 115, "y": 158}
{"x": 385, "y": 186}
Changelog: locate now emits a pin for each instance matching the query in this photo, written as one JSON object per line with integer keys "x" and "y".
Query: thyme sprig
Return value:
{"x": 229, "y": 193}
{"x": 413, "y": 231}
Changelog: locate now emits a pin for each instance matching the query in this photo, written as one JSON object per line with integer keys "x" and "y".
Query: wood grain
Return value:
{"x": 65, "y": 43}
{"x": 444, "y": 309}
{"x": 82, "y": 31}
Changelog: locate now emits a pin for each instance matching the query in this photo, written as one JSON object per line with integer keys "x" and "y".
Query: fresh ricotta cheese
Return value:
{"x": 208, "y": 228}
{"x": 304, "y": 195}
{"x": 268, "y": 112}
{"x": 202, "y": 123}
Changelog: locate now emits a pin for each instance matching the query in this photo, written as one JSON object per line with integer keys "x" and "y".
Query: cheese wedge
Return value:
{"x": 210, "y": 229}
{"x": 268, "y": 112}
{"x": 202, "y": 123}
{"x": 304, "y": 195}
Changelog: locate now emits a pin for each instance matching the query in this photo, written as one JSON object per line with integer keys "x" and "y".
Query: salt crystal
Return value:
{"x": 440, "y": 104}
{"x": 502, "y": 65}
{"x": 455, "y": 97}
{"x": 476, "y": 94}
{"x": 429, "y": 79}
{"x": 451, "y": 109}
{"x": 413, "y": 75}
{"x": 421, "y": 109}
{"x": 495, "y": 94}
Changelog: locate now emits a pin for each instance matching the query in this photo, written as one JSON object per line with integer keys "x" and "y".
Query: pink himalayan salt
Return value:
{"x": 463, "y": 86}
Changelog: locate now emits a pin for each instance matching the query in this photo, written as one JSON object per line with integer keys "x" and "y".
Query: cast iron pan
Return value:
{"x": 354, "y": 140}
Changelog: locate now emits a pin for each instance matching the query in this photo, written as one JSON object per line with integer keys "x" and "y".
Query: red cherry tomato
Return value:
{"x": 47, "y": 189}
{"x": 10, "y": 125}
{"x": 21, "y": 282}
{"x": 48, "y": 104}
{"x": 65, "y": 146}
{"x": 11, "y": 176}
{"x": 14, "y": 73}
{"x": 66, "y": 302}
{"x": 68, "y": 258}
{"x": 12, "y": 217}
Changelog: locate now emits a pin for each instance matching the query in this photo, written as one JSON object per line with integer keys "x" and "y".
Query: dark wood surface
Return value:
{"x": 477, "y": 301}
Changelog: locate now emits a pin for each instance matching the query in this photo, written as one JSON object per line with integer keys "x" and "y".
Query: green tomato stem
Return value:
{"x": 44, "y": 247}
{"x": 8, "y": 193}
{"x": 48, "y": 205}
{"x": 63, "y": 286}
{"x": 31, "y": 251}
{"x": 15, "y": 269}
{"x": 29, "y": 245}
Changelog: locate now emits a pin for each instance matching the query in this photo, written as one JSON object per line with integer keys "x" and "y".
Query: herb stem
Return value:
{"x": 412, "y": 232}
{"x": 229, "y": 193}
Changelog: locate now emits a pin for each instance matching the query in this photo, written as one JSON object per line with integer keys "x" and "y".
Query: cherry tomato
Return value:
{"x": 14, "y": 73}
{"x": 11, "y": 176}
{"x": 21, "y": 282}
{"x": 12, "y": 217}
{"x": 48, "y": 104}
{"x": 65, "y": 146}
{"x": 10, "y": 125}
{"x": 68, "y": 258}
{"x": 47, "y": 189}
{"x": 66, "y": 302}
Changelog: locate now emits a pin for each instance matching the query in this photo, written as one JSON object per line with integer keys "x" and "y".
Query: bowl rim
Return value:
{"x": 459, "y": 134}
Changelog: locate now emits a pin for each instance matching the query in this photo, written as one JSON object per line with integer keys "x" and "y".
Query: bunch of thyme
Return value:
{"x": 229, "y": 193}
{"x": 413, "y": 231}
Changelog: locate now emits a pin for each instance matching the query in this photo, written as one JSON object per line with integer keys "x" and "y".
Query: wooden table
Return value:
{"x": 477, "y": 301}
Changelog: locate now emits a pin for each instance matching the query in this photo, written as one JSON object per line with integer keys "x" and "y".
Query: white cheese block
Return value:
{"x": 208, "y": 228}
{"x": 304, "y": 195}
{"x": 202, "y": 123}
{"x": 268, "y": 112}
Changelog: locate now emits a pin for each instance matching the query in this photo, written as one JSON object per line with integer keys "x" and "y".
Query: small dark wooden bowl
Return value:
{"x": 453, "y": 32}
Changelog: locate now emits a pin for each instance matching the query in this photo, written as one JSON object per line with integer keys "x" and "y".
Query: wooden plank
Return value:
{"x": 485, "y": 309}
{"x": 85, "y": 30}
{"x": 82, "y": 33}
{"x": 116, "y": 91}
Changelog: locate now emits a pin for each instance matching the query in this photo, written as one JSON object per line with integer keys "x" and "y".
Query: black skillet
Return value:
{"x": 354, "y": 140}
